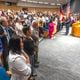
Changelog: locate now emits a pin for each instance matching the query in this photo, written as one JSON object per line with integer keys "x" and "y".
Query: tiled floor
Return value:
{"x": 59, "y": 58}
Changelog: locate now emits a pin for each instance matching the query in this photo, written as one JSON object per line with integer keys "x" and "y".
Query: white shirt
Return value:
{"x": 19, "y": 69}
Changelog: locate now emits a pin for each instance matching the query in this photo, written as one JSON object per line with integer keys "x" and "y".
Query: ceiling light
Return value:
{"x": 46, "y": 3}
{"x": 52, "y": 4}
{"x": 35, "y": 2}
{"x": 40, "y": 2}
{"x": 58, "y": 4}
{"x": 23, "y": 0}
{"x": 29, "y": 1}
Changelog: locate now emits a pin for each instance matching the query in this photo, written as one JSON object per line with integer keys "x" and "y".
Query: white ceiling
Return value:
{"x": 42, "y": 3}
{"x": 53, "y": 2}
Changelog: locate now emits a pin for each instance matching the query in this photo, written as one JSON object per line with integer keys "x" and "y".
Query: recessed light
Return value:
{"x": 58, "y": 4}
{"x": 52, "y": 4}
{"x": 40, "y": 2}
{"x": 46, "y": 3}
{"x": 23, "y": 0}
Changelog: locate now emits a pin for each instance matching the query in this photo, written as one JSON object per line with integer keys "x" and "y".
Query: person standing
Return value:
{"x": 35, "y": 36}
{"x": 67, "y": 24}
{"x": 5, "y": 36}
{"x": 19, "y": 63}
{"x": 29, "y": 47}
{"x": 51, "y": 28}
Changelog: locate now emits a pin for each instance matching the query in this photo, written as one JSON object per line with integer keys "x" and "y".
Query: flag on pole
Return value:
{"x": 62, "y": 13}
{"x": 61, "y": 10}
{"x": 68, "y": 9}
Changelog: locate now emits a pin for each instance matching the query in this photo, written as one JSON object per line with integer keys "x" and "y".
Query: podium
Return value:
{"x": 76, "y": 29}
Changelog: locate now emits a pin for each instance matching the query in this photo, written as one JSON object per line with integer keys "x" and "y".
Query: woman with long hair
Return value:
{"x": 18, "y": 62}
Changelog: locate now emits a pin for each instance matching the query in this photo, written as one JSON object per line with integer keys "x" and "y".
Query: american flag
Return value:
{"x": 68, "y": 9}
{"x": 61, "y": 10}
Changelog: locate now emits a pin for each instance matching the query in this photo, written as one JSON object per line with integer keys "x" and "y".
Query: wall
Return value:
{"x": 10, "y": 7}
{"x": 27, "y": 4}
{"x": 43, "y": 9}
{"x": 75, "y": 7}
{"x": 16, "y": 8}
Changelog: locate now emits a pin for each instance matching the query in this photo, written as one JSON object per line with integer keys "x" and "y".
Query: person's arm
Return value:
{"x": 24, "y": 54}
{"x": 21, "y": 67}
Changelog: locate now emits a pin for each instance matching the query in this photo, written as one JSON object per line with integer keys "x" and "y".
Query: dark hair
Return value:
{"x": 25, "y": 29}
{"x": 14, "y": 44}
{"x": 50, "y": 21}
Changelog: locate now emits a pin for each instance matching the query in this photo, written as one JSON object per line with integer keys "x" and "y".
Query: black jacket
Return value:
{"x": 3, "y": 38}
{"x": 29, "y": 46}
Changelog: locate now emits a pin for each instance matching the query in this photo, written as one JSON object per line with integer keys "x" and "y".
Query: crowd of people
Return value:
{"x": 19, "y": 40}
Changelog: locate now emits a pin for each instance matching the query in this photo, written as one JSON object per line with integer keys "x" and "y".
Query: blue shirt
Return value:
{"x": 3, "y": 75}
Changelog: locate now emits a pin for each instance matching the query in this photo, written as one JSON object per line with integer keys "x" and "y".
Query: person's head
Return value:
{"x": 26, "y": 30}
{"x": 15, "y": 44}
{"x": 35, "y": 24}
{"x": 51, "y": 21}
{"x": 4, "y": 21}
